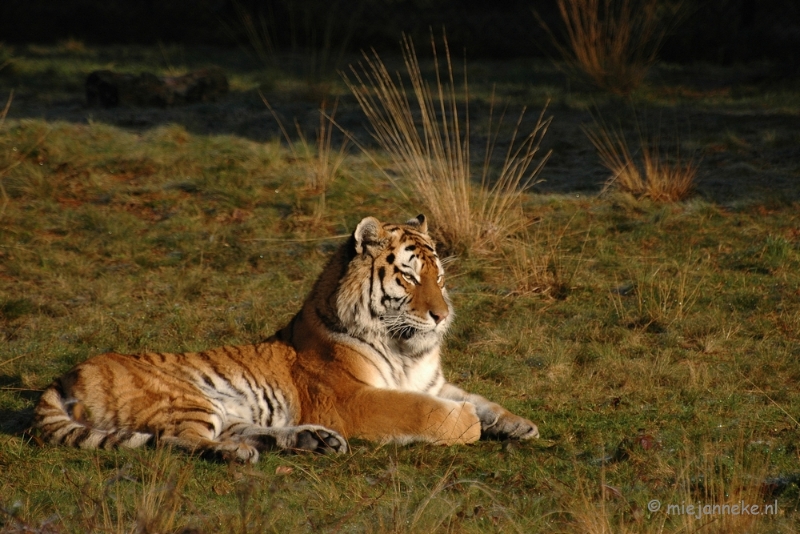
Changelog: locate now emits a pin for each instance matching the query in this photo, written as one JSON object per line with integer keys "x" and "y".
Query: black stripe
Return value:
{"x": 390, "y": 259}
{"x": 433, "y": 380}
{"x": 104, "y": 441}
{"x": 382, "y": 355}
{"x": 77, "y": 435}
{"x": 272, "y": 402}
{"x": 207, "y": 379}
{"x": 411, "y": 247}
{"x": 207, "y": 359}
{"x": 270, "y": 406}
{"x": 254, "y": 389}
{"x": 335, "y": 327}
{"x": 208, "y": 424}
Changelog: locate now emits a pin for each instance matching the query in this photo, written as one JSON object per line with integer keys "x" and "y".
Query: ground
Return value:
{"x": 660, "y": 363}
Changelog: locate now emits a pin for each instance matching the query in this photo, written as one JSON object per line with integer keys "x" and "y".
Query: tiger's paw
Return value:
{"x": 319, "y": 439}
{"x": 507, "y": 426}
{"x": 237, "y": 452}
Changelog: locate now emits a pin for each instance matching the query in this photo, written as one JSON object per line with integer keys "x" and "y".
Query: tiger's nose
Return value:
{"x": 439, "y": 315}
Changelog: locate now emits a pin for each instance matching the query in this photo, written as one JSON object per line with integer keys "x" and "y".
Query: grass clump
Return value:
{"x": 538, "y": 263}
{"x": 705, "y": 494}
{"x": 643, "y": 174}
{"x": 426, "y": 133}
{"x": 322, "y": 161}
{"x": 612, "y": 43}
{"x": 656, "y": 300}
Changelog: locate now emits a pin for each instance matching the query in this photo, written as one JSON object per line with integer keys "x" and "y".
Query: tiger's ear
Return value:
{"x": 369, "y": 233}
{"x": 420, "y": 222}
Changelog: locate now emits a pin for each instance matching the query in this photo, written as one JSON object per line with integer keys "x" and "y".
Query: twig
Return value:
{"x": 14, "y": 358}
{"x": 781, "y": 408}
{"x": 299, "y": 240}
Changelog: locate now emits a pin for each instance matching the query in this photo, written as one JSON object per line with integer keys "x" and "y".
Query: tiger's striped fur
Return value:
{"x": 360, "y": 359}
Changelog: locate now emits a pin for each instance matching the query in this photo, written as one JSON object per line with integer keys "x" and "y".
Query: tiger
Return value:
{"x": 361, "y": 359}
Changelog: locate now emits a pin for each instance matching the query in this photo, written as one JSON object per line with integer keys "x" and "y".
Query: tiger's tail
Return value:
{"x": 61, "y": 422}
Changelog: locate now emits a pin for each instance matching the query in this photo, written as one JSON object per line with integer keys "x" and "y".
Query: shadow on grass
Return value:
{"x": 15, "y": 422}
{"x": 745, "y": 142}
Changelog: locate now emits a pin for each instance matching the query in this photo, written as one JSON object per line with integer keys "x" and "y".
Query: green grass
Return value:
{"x": 665, "y": 368}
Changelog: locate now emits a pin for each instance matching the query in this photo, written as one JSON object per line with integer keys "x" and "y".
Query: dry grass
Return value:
{"x": 646, "y": 173}
{"x": 166, "y": 239}
{"x": 714, "y": 482}
{"x": 147, "y": 499}
{"x": 708, "y": 491}
{"x": 6, "y": 165}
{"x": 427, "y": 135}
{"x": 659, "y": 298}
{"x": 538, "y": 264}
{"x": 322, "y": 160}
{"x": 258, "y": 32}
{"x": 319, "y": 35}
{"x": 613, "y": 43}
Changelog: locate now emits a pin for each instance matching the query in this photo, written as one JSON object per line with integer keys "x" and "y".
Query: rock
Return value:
{"x": 109, "y": 89}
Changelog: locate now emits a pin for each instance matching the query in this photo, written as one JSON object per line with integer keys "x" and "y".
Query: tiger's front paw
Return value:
{"x": 507, "y": 426}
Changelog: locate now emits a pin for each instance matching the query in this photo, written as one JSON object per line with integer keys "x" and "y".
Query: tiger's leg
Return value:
{"x": 496, "y": 421}
{"x": 403, "y": 417}
{"x": 201, "y": 440}
{"x": 312, "y": 438}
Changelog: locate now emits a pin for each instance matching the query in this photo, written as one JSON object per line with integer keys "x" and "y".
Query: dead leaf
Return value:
{"x": 284, "y": 470}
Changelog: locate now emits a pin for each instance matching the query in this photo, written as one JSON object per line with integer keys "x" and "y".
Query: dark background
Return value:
{"x": 719, "y": 31}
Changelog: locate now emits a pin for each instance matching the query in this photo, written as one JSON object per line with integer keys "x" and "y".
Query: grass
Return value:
{"x": 427, "y": 135}
{"x": 661, "y": 364}
{"x": 538, "y": 264}
{"x": 286, "y": 35}
{"x": 612, "y": 43}
{"x": 323, "y": 163}
{"x": 645, "y": 173}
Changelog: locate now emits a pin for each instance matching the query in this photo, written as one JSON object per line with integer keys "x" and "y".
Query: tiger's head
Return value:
{"x": 393, "y": 286}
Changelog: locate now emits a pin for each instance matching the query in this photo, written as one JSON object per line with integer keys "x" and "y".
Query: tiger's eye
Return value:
{"x": 410, "y": 279}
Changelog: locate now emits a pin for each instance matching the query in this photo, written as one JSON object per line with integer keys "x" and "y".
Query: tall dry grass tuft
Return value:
{"x": 613, "y": 43}
{"x": 645, "y": 174}
{"x": 5, "y": 166}
{"x": 259, "y": 33}
{"x": 316, "y": 34}
{"x": 147, "y": 501}
{"x": 538, "y": 264}
{"x": 659, "y": 299}
{"x": 707, "y": 490}
{"x": 322, "y": 160}
{"x": 426, "y": 132}
{"x": 716, "y": 484}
